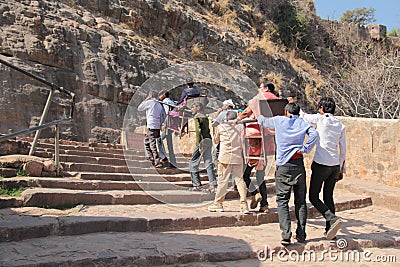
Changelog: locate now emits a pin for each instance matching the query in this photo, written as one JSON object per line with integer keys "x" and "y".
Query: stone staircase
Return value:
{"x": 106, "y": 174}
{"x": 115, "y": 209}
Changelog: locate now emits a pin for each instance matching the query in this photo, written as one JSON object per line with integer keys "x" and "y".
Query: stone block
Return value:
{"x": 127, "y": 225}
{"x": 263, "y": 218}
{"x": 49, "y": 166}
{"x": 33, "y": 168}
{"x": 186, "y": 223}
{"x": 160, "y": 224}
{"x": 246, "y": 219}
{"x": 8, "y": 172}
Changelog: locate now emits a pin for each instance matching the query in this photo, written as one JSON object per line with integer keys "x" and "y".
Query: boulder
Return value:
{"x": 33, "y": 168}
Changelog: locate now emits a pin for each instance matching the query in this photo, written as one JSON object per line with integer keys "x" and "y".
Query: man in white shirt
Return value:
{"x": 328, "y": 163}
{"x": 155, "y": 115}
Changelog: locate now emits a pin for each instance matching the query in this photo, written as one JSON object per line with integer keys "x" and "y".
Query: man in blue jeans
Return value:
{"x": 202, "y": 150}
{"x": 290, "y": 133}
{"x": 166, "y": 134}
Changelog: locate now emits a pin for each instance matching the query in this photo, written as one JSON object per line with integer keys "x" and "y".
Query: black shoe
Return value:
{"x": 300, "y": 240}
{"x": 171, "y": 166}
{"x": 285, "y": 242}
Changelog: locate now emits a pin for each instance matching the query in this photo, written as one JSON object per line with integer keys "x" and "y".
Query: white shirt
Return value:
{"x": 155, "y": 113}
{"x": 331, "y": 143}
{"x": 168, "y": 100}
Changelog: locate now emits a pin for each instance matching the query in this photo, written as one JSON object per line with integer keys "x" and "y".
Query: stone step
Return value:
{"x": 10, "y": 202}
{"x": 7, "y": 172}
{"x": 143, "y": 177}
{"x": 152, "y": 177}
{"x": 108, "y": 154}
{"x": 138, "y": 161}
{"x": 389, "y": 199}
{"x": 137, "y": 168}
{"x": 49, "y": 153}
{"x": 32, "y": 222}
{"x": 230, "y": 246}
{"x": 56, "y": 197}
{"x": 50, "y": 141}
{"x": 71, "y": 155}
{"x": 110, "y": 149}
{"x": 78, "y": 184}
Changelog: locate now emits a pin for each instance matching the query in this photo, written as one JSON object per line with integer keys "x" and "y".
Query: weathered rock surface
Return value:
{"x": 104, "y": 50}
{"x": 32, "y": 165}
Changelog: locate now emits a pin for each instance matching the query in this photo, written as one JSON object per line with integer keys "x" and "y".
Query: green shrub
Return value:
{"x": 293, "y": 26}
{"x": 21, "y": 172}
{"x": 10, "y": 192}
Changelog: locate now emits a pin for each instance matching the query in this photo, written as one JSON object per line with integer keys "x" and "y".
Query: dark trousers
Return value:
{"x": 260, "y": 178}
{"x": 326, "y": 176}
{"x": 288, "y": 176}
{"x": 150, "y": 144}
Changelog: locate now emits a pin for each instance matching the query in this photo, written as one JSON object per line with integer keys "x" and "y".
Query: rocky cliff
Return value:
{"x": 103, "y": 50}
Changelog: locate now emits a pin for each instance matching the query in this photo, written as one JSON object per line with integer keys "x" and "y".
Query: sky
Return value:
{"x": 387, "y": 12}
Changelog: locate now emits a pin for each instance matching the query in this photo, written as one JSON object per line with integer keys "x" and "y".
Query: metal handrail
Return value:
{"x": 38, "y": 128}
{"x": 33, "y": 129}
{"x": 53, "y": 87}
{"x": 43, "y": 125}
{"x": 50, "y": 84}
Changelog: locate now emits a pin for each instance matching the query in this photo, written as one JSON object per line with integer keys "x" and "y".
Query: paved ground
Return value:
{"x": 365, "y": 228}
{"x": 30, "y": 222}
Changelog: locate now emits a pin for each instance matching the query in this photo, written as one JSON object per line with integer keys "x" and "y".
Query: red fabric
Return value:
{"x": 297, "y": 156}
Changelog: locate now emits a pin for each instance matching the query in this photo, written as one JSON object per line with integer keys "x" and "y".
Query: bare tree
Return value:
{"x": 368, "y": 85}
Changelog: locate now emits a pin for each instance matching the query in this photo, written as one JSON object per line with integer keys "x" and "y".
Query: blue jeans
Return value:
{"x": 194, "y": 163}
{"x": 288, "y": 176}
{"x": 166, "y": 135}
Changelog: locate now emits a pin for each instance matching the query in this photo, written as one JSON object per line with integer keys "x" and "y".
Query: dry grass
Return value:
{"x": 311, "y": 93}
{"x": 224, "y": 5}
{"x": 275, "y": 78}
{"x": 269, "y": 47}
{"x": 198, "y": 53}
{"x": 302, "y": 65}
{"x": 228, "y": 21}
{"x": 247, "y": 8}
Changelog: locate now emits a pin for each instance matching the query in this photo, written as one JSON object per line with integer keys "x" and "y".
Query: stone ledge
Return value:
{"x": 8, "y": 202}
{"x": 381, "y": 195}
{"x": 16, "y": 228}
{"x": 149, "y": 249}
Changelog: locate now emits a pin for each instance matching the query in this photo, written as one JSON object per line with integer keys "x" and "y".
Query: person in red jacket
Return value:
{"x": 266, "y": 92}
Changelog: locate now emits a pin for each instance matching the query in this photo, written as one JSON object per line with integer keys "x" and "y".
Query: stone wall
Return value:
{"x": 373, "y": 147}
{"x": 373, "y": 150}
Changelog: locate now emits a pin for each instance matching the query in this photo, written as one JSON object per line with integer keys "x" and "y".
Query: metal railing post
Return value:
{"x": 57, "y": 149}
{"x": 42, "y": 119}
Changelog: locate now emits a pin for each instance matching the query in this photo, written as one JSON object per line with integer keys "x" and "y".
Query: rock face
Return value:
{"x": 104, "y": 50}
